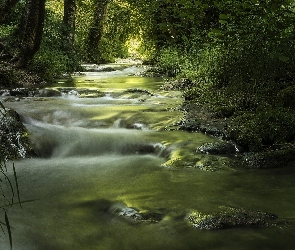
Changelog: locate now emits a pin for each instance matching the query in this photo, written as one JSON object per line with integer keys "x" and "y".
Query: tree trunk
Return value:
{"x": 31, "y": 31}
{"x": 6, "y": 7}
{"x": 68, "y": 31}
{"x": 96, "y": 30}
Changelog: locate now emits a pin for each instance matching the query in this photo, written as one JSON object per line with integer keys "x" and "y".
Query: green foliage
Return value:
{"x": 170, "y": 61}
{"x": 51, "y": 60}
{"x": 5, "y": 30}
{"x": 50, "y": 63}
{"x": 239, "y": 58}
{"x": 265, "y": 127}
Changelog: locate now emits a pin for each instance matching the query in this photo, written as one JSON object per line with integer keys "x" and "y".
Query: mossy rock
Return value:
{"x": 220, "y": 147}
{"x": 230, "y": 217}
{"x": 14, "y": 137}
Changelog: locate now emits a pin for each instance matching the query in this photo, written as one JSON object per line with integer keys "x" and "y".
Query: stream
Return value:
{"x": 109, "y": 143}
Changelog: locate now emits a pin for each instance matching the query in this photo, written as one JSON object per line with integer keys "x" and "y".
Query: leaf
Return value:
{"x": 11, "y": 187}
{"x": 223, "y": 21}
{"x": 283, "y": 58}
{"x": 224, "y": 16}
{"x": 8, "y": 229}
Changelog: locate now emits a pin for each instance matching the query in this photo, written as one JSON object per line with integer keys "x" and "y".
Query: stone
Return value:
{"x": 230, "y": 217}
{"x": 220, "y": 147}
{"x": 133, "y": 215}
{"x": 14, "y": 142}
{"x": 49, "y": 93}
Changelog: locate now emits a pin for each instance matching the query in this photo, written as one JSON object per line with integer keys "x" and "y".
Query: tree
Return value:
{"x": 96, "y": 30}
{"x": 30, "y": 31}
{"x": 68, "y": 30}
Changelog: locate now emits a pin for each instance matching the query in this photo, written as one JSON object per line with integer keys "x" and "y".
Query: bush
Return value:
{"x": 170, "y": 61}
{"x": 265, "y": 127}
{"x": 50, "y": 64}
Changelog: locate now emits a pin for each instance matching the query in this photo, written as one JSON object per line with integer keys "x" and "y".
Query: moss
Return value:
{"x": 230, "y": 217}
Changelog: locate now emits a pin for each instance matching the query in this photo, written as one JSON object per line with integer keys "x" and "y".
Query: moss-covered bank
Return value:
{"x": 264, "y": 135}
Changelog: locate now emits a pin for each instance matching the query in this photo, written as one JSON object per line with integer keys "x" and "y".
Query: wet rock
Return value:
{"x": 139, "y": 126}
{"x": 107, "y": 69}
{"x": 90, "y": 93}
{"x": 213, "y": 163}
{"x": 133, "y": 215}
{"x": 14, "y": 142}
{"x": 98, "y": 68}
{"x": 19, "y": 92}
{"x": 230, "y": 217}
{"x": 82, "y": 93}
{"x": 142, "y": 149}
{"x": 141, "y": 91}
{"x": 198, "y": 119}
{"x": 49, "y": 93}
{"x": 221, "y": 147}
{"x": 120, "y": 210}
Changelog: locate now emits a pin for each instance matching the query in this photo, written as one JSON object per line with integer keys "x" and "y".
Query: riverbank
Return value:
{"x": 12, "y": 77}
{"x": 202, "y": 117}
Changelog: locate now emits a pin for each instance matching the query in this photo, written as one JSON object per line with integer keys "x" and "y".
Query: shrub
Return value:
{"x": 265, "y": 127}
{"x": 170, "y": 61}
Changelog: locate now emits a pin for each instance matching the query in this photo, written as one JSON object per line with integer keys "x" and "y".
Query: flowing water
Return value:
{"x": 99, "y": 153}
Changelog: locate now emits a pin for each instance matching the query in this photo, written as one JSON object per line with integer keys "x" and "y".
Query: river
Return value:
{"x": 110, "y": 142}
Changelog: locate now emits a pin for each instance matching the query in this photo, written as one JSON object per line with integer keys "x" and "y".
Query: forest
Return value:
{"x": 238, "y": 57}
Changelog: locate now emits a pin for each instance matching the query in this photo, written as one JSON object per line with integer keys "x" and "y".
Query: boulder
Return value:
{"x": 49, "y": 93}
{"x": 14, "y": 142}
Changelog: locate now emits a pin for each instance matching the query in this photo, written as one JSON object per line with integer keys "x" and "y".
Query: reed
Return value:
{"x": 9, "y": 187}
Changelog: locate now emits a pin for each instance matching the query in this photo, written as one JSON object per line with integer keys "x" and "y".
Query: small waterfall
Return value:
{"x": 59, "y": 141}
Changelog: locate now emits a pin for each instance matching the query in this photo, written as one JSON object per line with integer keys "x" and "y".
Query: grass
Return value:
{"x": 8, "y": 191}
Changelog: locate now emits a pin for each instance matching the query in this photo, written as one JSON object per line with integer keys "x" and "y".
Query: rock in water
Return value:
{"x": 221, "y": 147}
{"x": 230, "y": 217}
{"x": 14, "y": 140}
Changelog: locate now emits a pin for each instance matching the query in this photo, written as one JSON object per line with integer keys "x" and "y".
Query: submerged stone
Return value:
{"x": 141, "y": 91}
{"x": 211, "y": 163}
{"x": 134, "y": 215}
{"x": 230, "y": 217}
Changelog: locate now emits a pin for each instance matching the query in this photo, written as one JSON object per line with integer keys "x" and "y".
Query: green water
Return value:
{"x": 83, "y": 170}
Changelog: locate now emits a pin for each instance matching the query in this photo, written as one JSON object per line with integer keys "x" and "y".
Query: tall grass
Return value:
{"x": 9, "y": 188}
